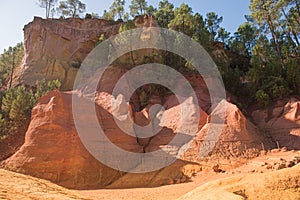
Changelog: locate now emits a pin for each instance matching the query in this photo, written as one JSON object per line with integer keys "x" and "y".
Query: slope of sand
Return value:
{"x": 252, "y": 180}
{"x": 283, "y": 184}
{"x": 14, "y": 186}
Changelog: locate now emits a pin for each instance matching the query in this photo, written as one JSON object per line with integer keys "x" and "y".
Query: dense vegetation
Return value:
{"x": 11, "y": 58}
{"x": 16, "y": 104}
{"x": 259, "y": 62}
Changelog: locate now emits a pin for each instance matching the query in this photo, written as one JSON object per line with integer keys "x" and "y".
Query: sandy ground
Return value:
{"x": 18, "y": 186}
{"x": 175, "y": 191}
{"x": 164, "y": 192}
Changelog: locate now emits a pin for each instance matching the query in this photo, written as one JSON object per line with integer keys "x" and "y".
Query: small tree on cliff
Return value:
{"x": 115, "y": 10}
{"x": 138, "y": 7}
{"x": 71, "y": 8}
{"x": 10, "y": 59}
{"x": 48, "y": 5}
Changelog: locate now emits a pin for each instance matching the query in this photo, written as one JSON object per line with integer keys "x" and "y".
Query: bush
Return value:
{"x": 88, "y": 16}
{"x": 293, "y": 75}
{"x": 275, "y": 87}
{"x": 17, "y": 104}
{"x": 262, "y": 98}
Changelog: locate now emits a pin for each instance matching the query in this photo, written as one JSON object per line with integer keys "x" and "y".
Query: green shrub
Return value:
{"x": 276, "y": 87}
{"x": 262, "y": 98}
{"x": 17, "y": 104}
{"x": 293, "y": 75}
{"x": 101, "y": 39}
{"x": 88, "y": 16}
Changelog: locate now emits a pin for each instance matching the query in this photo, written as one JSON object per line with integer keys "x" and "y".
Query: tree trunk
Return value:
{"x": 275, "y": 38}
{"x": 47, "y": 9}
{"x": 296, "y": 38}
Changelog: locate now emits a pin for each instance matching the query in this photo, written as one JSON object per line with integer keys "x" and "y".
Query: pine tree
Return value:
{"x": 213, "y": 22}
{"x": 138, "y": 7}
{"x": 48, "y": 5}
{"x": 71, "y": 8}
{"x": 165, "y": 13}
{"x": 183, "y": 20}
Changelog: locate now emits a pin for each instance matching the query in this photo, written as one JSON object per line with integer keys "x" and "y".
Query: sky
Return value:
{"x": 14, "y": 14}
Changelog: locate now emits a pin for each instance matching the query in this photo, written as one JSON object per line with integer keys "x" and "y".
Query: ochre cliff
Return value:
{"x": 54, "y": 151}
{"x": 55, "y": 48}
{"x": 282, "y": 121}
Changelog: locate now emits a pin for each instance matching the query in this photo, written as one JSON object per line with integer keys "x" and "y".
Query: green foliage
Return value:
{"x": 183, "y": 20}
{"x": 244, "y": 39}
{"x": 91, "y": 16}
{"x": 275, "y": 87}
{"x": 16, "y": 104}
{"x": 42, "y": 88}
{"x": 213, "y": 22}
{"x": 293, "y": 75}
{"x": 101, "y": 39}
{"x": 231, "y": 79}
{"x": 11, "y": 58}
{"x": 107, "y": 15}
{"x": 143, "y": 98}
{"x": 116, "y": 11}
{"x": 150, "y": 10}
{"x": 223, "y": 35}
{"x": 71, "y": 8}
{"x": 138, "y": 7}
{"x": 20, "y": 105}
{"x": 127, "y": 26}
{"x": 165, "y": 13}
{"x": 201, "y": 34}
{"x": 53, "y": 85}
{"x": 262, "y": 98}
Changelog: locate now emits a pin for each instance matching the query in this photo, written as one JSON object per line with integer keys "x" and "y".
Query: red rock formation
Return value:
{"x": 282, "y": 122}
{"x": 54, "y": 151}
{"x": 172, "y": 124}
{"x": 55, "y": 48}
{"x": 237, "y": 137}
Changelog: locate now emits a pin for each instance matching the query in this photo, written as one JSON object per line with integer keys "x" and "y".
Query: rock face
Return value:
{"x": 172, "y": 124}
{"x": 54, "y": 151}
{"x": 282, "y": 121}
{"x": 237, "y": 137}
{"x": 55, "y": 48}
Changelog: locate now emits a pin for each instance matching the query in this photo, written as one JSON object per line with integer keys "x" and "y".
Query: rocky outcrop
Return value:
{"x": 237, "y": 137}
{"x": 282, "y": 122}
{"x": 55, "y": 48}
{"x": 54, "y": 151}
{"x": 174, "y": 121}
